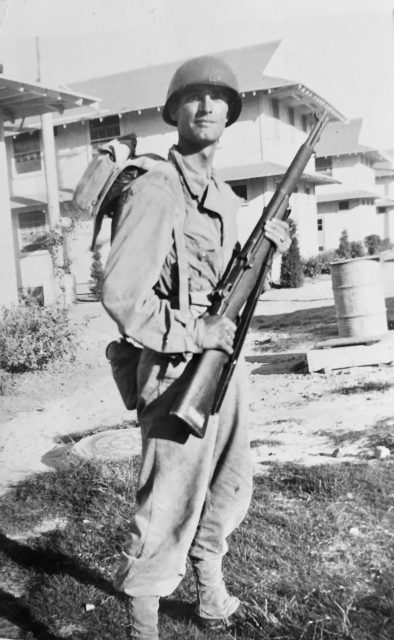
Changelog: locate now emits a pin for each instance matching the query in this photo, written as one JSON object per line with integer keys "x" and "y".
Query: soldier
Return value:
{"x": 175, "y": 235}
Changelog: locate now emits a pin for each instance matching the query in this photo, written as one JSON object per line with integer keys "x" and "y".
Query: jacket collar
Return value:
{"x": 202, "y": 187}
{"x": 195, "y": 181}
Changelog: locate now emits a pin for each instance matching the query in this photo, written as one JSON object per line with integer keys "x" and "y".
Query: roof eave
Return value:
{"x": 19, "y": 99}
{"x": 302, "y": 96}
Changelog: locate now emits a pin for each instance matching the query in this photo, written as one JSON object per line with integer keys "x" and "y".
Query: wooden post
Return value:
{"x": 52, "y": 187}
{"x": 48, "y": 141}
{"x": 8, "y": 282}
{"x": 51, "y": 181}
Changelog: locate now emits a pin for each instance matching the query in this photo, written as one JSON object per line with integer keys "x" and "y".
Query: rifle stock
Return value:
{"x": 244, "y": 276}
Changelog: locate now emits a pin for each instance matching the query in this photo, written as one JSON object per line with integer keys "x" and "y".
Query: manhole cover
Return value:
{"x": 115, "y": 444}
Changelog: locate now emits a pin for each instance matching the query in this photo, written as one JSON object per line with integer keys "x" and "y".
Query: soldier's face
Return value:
{"x": 201, "y": 114}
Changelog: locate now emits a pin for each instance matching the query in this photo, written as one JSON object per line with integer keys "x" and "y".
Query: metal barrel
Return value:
{"x": 359, "y": 297}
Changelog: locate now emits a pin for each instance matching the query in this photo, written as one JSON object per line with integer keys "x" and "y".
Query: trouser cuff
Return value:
{"x": 144, "y": 616}
{"x": 213, "y": 600}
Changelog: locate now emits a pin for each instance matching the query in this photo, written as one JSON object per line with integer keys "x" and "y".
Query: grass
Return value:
{"x": 364, "y": 387}
{"x": 313, "y": 559}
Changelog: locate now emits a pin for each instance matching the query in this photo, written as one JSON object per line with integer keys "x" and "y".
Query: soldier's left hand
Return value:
{"x": 278, "y": 232}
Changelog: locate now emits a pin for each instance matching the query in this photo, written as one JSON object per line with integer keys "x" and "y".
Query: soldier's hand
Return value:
{"x": 278, "y": 232}
{"x": 217, "y": 333}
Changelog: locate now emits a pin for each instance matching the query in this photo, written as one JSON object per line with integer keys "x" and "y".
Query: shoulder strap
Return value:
{"x": 183, "y": 272}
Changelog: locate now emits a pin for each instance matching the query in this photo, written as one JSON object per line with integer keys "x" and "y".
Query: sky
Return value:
{"x": 342, "y": 49}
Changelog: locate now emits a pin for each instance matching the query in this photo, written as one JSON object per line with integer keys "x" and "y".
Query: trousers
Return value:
{"x": 192, "y": 493}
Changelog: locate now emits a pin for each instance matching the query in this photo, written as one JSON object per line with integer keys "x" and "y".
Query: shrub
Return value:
{"x": 386, "y": 244}
{"x": 291, "y": 275}
{"x": 32, "y": 335}
{"x": 344, "y": 250}
{"x": 96, "y": 274}
{"x": 373, "y": 244}
{"x": 318, "y": 264}
{"x": 356, "y": 249}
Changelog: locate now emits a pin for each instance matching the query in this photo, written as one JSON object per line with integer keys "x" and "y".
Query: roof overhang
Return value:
{"x": 300, "y": 97}
{"x": 384, "y": 202}
{"x": 346, "y": 195}
{"x": 266, "y": 169}
{"x": 23, "y": 203}
{"x": 20, "y": 100}
{"x": 384, "y": 173}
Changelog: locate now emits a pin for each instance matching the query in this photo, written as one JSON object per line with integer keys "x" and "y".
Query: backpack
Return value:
{"x": 105, "y": 183}
{"x": 102, "y": 191}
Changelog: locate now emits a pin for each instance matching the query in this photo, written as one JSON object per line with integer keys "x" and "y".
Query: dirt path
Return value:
{"x": 295, "y": 416}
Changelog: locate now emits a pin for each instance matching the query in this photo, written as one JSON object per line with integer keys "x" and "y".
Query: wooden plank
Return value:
{"x": 351, "y": 356}
{"x": 347, "y": 342}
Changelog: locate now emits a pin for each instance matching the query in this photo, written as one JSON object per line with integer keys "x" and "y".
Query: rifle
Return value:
{"x": 240, "y": 287}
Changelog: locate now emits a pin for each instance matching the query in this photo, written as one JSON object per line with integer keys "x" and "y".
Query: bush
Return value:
{"x": 373, "y": 244}
{"x": 32, "y": 335}
{"x": 96, "y": 274}
{"x": 291, "y": 275}
{"x": 319, "y": 264}
{"x": 356, "y": 249}
{"x": 344, "y": 248}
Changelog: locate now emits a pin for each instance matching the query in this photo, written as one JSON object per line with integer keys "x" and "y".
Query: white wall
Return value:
{"x": 360, "y": 221}
{"x": 37, "y": 271}
{"x": 352, "y": 173}
{"x": 73, "y": 153}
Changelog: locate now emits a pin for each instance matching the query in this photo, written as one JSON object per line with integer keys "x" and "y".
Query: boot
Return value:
{"x": 216, "y": 609}
{"x": 144, "y": 616}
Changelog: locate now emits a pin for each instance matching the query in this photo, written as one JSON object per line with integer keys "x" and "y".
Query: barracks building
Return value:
{"x": 254, "y": 153}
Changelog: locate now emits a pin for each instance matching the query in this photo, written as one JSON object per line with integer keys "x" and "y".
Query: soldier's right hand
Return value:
{"x": 216, "y": 333}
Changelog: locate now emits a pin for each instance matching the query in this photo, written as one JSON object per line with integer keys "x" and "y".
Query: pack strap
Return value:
{"x": 180, "y": 247}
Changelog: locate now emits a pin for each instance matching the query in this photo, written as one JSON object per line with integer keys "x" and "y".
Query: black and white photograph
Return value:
{"x": 196, "y": 320}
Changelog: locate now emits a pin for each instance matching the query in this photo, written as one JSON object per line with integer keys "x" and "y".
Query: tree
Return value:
{"x": 373, "y": 244}
{"x": 96, "y": 273}
{"x": 344, "y": 248}
{"x": 291, "y": 272}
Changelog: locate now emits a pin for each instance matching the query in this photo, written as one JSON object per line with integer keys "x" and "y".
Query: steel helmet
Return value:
{"x": 204, "y": 70}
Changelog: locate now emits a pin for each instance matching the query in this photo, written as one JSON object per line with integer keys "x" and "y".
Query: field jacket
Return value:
{"x": 150, "y": 231}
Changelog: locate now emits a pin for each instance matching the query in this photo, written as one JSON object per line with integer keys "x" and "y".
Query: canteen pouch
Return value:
{"x": 124, "y": 357}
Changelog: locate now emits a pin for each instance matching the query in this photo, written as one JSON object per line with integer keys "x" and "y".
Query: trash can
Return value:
{"x": 359, "y": 297}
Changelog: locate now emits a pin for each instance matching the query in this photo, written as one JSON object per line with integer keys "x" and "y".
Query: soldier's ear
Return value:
{"x": 173, "y": 110}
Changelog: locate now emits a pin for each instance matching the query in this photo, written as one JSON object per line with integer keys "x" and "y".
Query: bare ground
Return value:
{"x": 295, "y": 415}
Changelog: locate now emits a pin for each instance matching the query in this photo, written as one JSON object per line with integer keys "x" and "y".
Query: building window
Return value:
{"x": 27, "y": 152}
{"x": 320, "y": 224}
{"x": 103, "y": 130}
{"x": 275, "y": 107}
{"x": 241, "y": 190}
{"x": 304, "y": 123}
{"x": 291, "y": 116}
{"x": 343, "y": 205}
{"x": 324, "y": 165}
{"x": 382, "y": 209}
{"x": 32, "y": 225}
{"x": 307, "y": 191}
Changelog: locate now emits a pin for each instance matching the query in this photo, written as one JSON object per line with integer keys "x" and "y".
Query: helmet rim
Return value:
{"x": 205, "y": 70}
